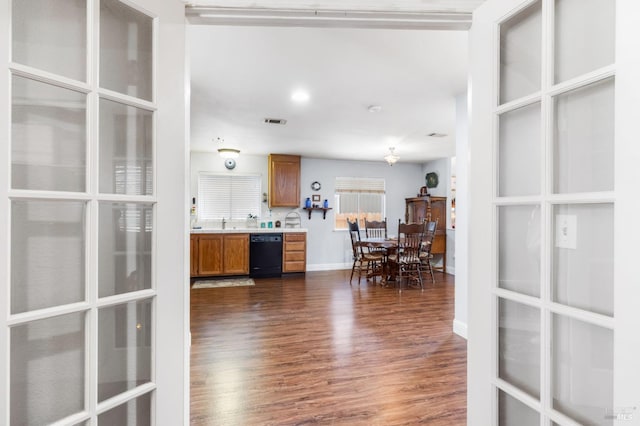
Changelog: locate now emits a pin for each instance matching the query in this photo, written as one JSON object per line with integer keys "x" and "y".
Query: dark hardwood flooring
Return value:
{"x": 312, "y": 349}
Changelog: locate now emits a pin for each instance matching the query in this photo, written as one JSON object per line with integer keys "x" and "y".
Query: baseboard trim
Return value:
{"x": 460, "y": 328}
{"x": 328, "y": 266}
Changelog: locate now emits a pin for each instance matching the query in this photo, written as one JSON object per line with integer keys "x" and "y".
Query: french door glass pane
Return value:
{"x": 126, "y": 135}
{"x": 520, "y": 54}
{"x": 519, "y": 249}
{"x": 584, "y": 139}
{"x": 124, "y": 237}
{"x": 48, "y": 132}
{"x": 47, "y": 369}
{"x": 584, "y": 36}
{"x": 513, "y": 412}
{"x": 124, "y": 347}
{"x": 519, "y": 152}
{"x": 582, "y": 370}
{"x": 47, "y": 254}
{"x": 51, "y": 36}
{"x": 126, "y": 43}
{"x": 519, "y": 346}
{"x": 583, "y": 256}
{"x": 135, "y": 412}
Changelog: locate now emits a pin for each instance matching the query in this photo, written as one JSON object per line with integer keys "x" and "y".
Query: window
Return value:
{"x": 359, "y": 198}
{"x": 230, "y": 197}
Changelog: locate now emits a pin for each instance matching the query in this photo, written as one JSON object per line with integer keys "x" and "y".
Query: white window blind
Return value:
{"x": 358, "y": 198}
{"x": 231, "y": 197}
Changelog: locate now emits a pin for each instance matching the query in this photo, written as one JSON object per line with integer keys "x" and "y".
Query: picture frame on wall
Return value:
{"x": 315, "y": 197}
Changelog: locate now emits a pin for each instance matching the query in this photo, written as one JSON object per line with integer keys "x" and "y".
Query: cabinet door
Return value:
{"x": 236, "y": 254}
{"x": 417, "y": 209}
{"x": 194, "y": 255}
{"x": 438, "y": 211}
{"x": 284, "y": 180}
{"x": 210, "y": 254}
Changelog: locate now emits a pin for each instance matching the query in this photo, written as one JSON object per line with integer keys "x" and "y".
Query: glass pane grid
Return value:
{"x": 520, "y": 63}
{"x": 575, "y": 174}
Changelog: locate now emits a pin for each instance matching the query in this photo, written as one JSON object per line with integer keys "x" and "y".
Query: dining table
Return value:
{"x": 388, "y": 244}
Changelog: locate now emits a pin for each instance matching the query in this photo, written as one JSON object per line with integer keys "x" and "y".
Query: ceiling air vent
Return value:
{"x": 275, "y": 121}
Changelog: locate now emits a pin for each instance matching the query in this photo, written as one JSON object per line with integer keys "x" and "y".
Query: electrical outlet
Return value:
{"x": 566, "y": 231}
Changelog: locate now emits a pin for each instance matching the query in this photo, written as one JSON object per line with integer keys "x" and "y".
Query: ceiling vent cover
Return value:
{"x": 281, "y": 121}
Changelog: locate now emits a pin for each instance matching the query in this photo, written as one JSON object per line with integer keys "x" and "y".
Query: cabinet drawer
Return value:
{"x": 294, "y": 267}
{"x": 295, "y": 246}
{"x": 294, "y": 256}
{"x": 294, "y": 237}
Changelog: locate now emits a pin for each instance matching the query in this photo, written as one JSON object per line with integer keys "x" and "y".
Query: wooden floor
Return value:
{"x": 311, "y": 349}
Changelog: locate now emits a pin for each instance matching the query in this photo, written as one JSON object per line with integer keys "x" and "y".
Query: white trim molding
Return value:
{"x": 460, "y": 328}
{"x": 252, "y": 16}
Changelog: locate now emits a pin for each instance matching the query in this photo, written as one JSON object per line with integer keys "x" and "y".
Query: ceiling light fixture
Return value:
{"x": 374, "y": 108}
{"x": 391, "y": 158}
{"x": 228, "y": 152}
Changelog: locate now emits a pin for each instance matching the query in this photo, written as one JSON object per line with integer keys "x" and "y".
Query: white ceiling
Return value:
{"x": 243, "y": 74}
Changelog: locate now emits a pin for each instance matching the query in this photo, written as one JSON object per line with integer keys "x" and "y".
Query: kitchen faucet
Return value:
{"x": 223, "y": 222}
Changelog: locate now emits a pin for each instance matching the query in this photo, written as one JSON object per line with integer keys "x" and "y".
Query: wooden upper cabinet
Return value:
{"x": 284, "y": 180}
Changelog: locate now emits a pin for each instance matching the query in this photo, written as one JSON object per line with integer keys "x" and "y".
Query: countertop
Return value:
{"x": 238, "y": 230}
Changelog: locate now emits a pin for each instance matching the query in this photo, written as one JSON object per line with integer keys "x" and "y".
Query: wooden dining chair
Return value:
{"x": 375, "y": 228}
{"x": 367, "y": 264}
{"x": 425, "y": 254}
{"x": 406, "y": 259}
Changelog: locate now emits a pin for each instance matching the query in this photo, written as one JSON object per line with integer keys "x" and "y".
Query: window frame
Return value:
{"x": 359, "y": 186}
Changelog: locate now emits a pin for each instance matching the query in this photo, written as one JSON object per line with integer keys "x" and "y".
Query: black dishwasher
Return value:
{"x": 265, "y": 255}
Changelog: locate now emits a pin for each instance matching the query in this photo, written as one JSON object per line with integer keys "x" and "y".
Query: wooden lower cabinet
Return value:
{"x": 236, "y": 254}
{"x": 294, "y": 252}
{"x": 219, "y": 254}
{"x": 194, "y": 256}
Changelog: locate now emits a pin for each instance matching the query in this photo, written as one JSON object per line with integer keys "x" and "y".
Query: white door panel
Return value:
{"x": 92, "y": 225}
{"x": 553, "y": 325}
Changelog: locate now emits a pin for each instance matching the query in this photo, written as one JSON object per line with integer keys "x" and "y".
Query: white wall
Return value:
{"x": 329, "y": 249}
{"x": 326, "y": 248}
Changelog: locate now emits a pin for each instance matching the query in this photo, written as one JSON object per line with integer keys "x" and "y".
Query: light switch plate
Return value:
{"x": 566, "y": 231}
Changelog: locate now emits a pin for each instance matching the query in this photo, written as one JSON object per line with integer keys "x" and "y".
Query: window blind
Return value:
{"x": 358, "y": 198}
{"x": 231, "y": 197}
{"x": 360, "y": 184}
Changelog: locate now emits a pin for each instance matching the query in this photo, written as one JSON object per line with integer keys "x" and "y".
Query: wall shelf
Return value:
{"x": 322, "y": 209}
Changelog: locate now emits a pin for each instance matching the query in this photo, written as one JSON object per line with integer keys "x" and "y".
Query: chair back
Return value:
{"x": 429, "y": 236}
{"x": 431, "y": 227}
{"x": 410, "y": 240}
{"x": 375, "y": 228}
{"x": 354, "y": 234}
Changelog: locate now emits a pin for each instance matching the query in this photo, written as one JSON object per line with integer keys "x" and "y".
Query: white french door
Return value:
{"x": 553, "y": 320}
{"x": 93, "y": 225}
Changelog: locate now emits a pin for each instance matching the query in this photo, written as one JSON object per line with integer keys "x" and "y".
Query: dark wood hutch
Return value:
{"x": 417, "y": 209}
